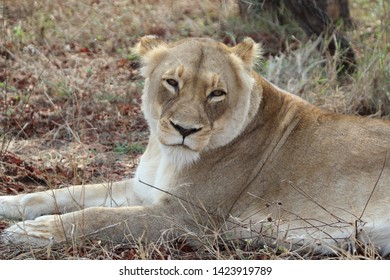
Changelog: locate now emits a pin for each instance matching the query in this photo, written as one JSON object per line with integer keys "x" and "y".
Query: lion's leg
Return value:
{"x": 119, "y": 224}
{"x": 30, "y": 206}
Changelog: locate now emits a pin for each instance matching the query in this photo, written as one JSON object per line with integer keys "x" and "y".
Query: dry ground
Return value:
{"x": 71, "y": 92}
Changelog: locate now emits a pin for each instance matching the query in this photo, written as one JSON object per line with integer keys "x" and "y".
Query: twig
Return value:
{"x": 175, "y": 196}
{"x": 302, "y": 192}
{"x": 374, "y": 188}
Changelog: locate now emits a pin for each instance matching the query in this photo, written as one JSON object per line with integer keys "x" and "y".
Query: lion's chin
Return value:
{"x": 179, "y": 155}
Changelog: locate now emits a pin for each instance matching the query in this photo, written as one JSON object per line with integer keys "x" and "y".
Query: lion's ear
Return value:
{"x": 147, "y": 44}
{"x": 151, "y": 51}
{"x": 248, "y": 51}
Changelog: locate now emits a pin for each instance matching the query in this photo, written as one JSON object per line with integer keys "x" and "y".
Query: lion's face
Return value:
{"x": 197, "y": 94}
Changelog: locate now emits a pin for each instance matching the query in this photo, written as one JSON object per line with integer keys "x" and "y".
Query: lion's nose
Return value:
{"x": 185, "y": 131}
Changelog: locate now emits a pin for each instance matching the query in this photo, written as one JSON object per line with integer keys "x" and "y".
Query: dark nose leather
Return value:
{"x": 185, "y": 131}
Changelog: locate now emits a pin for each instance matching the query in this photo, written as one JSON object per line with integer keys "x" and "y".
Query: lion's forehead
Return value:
{"x": 199, "y": 56}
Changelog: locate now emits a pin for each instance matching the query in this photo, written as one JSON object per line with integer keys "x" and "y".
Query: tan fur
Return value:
{"x": 229, "y": 152}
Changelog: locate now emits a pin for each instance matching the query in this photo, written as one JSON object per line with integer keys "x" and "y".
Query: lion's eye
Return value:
{"x": 172, "y": 82}
{"x": 217, "y": 94}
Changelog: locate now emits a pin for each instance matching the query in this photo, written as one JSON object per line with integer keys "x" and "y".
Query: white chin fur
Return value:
{"x": 179, "y": 156}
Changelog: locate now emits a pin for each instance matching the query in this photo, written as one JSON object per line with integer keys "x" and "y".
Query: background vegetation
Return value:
{"x": 70, "y": 92}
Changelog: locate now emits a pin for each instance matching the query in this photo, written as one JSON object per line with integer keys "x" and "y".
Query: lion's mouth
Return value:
{"x": 174, "y": 141}
{"x": 180, "y": 146}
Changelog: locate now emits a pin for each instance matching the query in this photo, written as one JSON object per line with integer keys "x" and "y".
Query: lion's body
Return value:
{"x": 228, "y": 148}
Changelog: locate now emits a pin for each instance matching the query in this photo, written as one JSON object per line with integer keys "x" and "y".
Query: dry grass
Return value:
{"x": 70, "y": 95}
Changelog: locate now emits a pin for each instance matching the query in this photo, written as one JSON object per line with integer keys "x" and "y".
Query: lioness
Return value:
{"x": 228, "y": 152}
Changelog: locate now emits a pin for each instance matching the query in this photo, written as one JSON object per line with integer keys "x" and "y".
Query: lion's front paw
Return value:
{"x": 24, "y": 206}
{"x": 9, "y": 207}
{"x": 40, "y": 232}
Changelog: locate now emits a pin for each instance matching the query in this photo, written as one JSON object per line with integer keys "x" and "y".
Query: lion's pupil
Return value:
{"x": 172, "y": 82}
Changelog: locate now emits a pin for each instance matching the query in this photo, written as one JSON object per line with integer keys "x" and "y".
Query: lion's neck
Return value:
{"x": 278, "y": 114}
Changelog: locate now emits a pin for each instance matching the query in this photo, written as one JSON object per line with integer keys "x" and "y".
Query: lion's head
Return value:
{"x": 199, "y": 94}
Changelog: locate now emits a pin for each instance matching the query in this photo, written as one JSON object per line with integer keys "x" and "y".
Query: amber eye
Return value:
{"x": 217, "y": 93}
{"x": 172, "y": 82}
